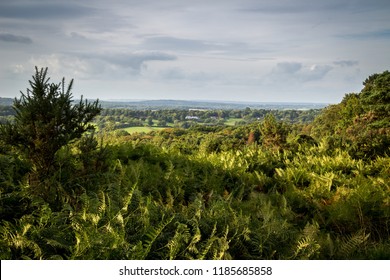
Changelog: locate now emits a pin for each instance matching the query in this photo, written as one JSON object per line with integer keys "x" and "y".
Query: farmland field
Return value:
{"x": 142, "y": 129}
{"x": 232, "y": 121}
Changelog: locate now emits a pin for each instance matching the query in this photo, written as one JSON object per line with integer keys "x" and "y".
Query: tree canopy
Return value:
{"x": 361, "y": 121}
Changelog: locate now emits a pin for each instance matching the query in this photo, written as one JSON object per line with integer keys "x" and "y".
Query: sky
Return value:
{"x": 231, "y": 50}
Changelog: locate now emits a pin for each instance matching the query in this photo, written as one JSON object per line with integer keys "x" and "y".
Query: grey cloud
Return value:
{"x": 172, "y": 43}
{"x": 303, "y": 6}
{"x": 112, "y": 64}
{"x": 132, "y": 60}
{"x": 42, "y": 10}
{"x": 297, "y": 72}
{"x": 180, "y": 74}
{"x": 346, "y": 63}
{"x": 88, "y": 66}
{"x": 316, "y": 72}
{"x": 288, "y": 67}
{"x": 371, "y": 35}
{"x": 292, "y": 7}
{"x": 77, "y": 36}
{"x": 99, "y": 40}
{"x": 6, "y": 37}
{"x": 218, "y": 50}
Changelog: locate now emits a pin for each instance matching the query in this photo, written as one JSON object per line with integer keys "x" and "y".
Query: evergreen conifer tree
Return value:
{"x": 47, "y": 119}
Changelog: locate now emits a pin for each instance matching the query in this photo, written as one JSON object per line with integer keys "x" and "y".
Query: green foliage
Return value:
{"x": 376, "y": 94}
{"x": 361, "y": 122}
{"x": 206, "y": 192}
{"x": 46, "y": 120}
{"x": 274, "y": 134}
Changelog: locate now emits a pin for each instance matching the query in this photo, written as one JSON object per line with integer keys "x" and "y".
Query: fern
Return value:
{"x": 352, "y": 243}
{"x": 221, "y": 250}
{"x": 181, "y": 238}
{"x": 209, "y": 242}
{"x": 127, "y": 199}
{"x": 17, "y": 238}
{"x": 308, "y": 247}
{"x": 151, "y": 237}
{"x": 196, "y": 237}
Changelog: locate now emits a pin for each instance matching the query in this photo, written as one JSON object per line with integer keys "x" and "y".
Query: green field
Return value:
{"x": 232, "y": 121}
{"x": 140, "y": 129}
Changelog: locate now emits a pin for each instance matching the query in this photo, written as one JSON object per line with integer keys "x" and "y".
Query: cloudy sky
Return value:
{"x": 236, "y": 50}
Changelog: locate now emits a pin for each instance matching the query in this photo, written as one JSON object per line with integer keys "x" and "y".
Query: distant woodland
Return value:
{"x": 79, "y": 181}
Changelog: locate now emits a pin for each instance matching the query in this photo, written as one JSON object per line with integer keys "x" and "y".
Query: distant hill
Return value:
{"x": 187, "y": 104}
{"x": 6, "y": 101}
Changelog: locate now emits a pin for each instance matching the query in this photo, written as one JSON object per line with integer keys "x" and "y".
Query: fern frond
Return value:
{"x": 306, "y": 248}
{"x": 181, "y": 237}
{"x": 223, "y": 246}
{"x": 350, "y": 244}
{"x": 196, "y": 237}
{"x": 210, "y": 241}
{"x": 102, "y": 202}
{"x": 127, "y": 199}
{"x": 151, "y": 237}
